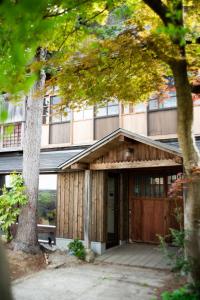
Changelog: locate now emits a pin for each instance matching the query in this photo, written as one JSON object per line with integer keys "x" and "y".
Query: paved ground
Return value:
{"x": 92, "y": 282}
{"x": 137, "y": 255}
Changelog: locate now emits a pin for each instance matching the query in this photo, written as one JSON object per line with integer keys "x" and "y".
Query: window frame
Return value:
{"x": 61, "y": 114}
{"x": 107, "y": 106}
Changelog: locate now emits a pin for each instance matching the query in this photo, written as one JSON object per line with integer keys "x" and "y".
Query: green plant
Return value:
{"x": 77, "y": 248}
{"x": 11, "y": 202}
{"x": 183, "y": 293}
{"x": 176, "y": 256}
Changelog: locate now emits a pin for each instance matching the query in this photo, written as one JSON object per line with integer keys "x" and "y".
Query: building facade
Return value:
{"x": 105, "y": 171}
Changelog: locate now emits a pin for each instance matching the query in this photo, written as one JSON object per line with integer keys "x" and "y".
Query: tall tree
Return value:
{"x": 53, "y": 20}
{"x": 155, "y": 38}
{"x": 5, "y": 290}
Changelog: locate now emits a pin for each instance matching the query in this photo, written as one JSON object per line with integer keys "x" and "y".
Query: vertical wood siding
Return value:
{"x": 70, "y": 206}
{"x": 98, "y": 207}
{"x": 70, "y": 212}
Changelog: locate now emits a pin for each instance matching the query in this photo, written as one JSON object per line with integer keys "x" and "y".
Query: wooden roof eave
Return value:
{"x": 111, "y": 137}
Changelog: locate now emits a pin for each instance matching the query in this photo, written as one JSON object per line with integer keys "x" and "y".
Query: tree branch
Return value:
{"x": 160, "y": 9}
{"x": 64, "y": 11}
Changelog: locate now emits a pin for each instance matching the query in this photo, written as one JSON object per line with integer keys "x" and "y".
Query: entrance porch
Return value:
{"x": 136, "y": 255}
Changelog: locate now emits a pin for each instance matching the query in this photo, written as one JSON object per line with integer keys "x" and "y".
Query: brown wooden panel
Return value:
{"x": 162, "y": 122}
{"x": 160, "y": 218}
{"x": 136, "y": 220}
{"x": 104, "y": 126}
{"x": 97, "y": 219}
{"x": 70, "y": 205}
{"x": 59, "y": 133}
{"x": 132, "y": 153}
{"x": 148, "y": 215}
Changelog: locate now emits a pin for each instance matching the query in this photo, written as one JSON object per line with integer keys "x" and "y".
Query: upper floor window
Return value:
{"x": 12, "y": 135}
{"x": 58, "y": 113}
{"x": 140, "y": 107}
{"x": 127, "y": 108}
{"x": 133, "y": 108}
{"x": 167, "y": 101}
{"x": 110, "y": 109}
{"x": 14, "y": 110}
{"x": 83, "y": 114}
{"x": 45, "y": 113}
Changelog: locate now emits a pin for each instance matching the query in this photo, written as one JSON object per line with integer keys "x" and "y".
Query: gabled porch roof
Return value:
{"x": 113, "y": 140}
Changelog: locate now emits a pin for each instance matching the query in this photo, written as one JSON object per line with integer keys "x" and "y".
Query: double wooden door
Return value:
{"x": 149, "y": 219}
{"x": 151, "y": 212}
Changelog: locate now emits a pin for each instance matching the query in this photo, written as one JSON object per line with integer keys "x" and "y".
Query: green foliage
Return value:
{"x": 176, "y": 256}
{"x": 77, "y": 248}
{"x": 183, "y": 293}
{"x": 11, "y": 202}
{"x": 47, "y": 206}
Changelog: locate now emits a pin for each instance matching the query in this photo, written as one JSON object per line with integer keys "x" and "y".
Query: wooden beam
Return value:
{"x": 87, "y": 208}
{"x": 134, "y": 164}
{"x": 79, "y": 166}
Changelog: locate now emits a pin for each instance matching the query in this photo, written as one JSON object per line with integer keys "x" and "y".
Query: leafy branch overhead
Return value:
{"x": 37, "y": 24}
{"x": 129, "y": 61}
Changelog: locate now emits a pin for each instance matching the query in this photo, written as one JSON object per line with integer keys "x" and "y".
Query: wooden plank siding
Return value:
{"x": 159, "y": 124}
{"x": 70, "y": 205}
{"x": 133, "y": 152}
{"x": 98, "y": 200}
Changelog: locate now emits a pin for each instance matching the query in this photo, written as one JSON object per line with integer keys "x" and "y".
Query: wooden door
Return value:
{"x": 149, "y": 208}
{"x": 112, "y": 210}
{"x": 152, "y": 213}
{"x": 148, "y": 219}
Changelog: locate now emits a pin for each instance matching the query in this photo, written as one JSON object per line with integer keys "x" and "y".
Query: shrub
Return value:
{"x": 182, "y": 293}
{"x": 176, "y": 257}
{"x": 77, "y": 248}
{"x": 11, "y": 202}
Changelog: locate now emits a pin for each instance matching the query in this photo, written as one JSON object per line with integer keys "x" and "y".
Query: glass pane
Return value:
{"x": 113, "y": 110}
{"x": 101, "y": 111}
{"x": 169, "y": 102}
{"x": 126, "y": 109}
{"x": 47, "y": 199}
{"x": 66, "y": 114}
{"x": 153, "y": 104}
{"x": 140, "y": 107}
{"x": 113, "y": 102}
{"x": 55, "y": 100}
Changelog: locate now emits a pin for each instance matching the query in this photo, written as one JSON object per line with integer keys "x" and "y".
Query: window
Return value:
{"x": 58, "y": 113}
{"x": 12, "y": 135}
{"x": 172, "y": 178}
{"x": 47, "y": 199}
{"x": 15, "y": 110}
{"x": 136, "y": 108}
{"x": 127, "y": 108}
{"x": 110, "y": 109}
{"x": 45, "y": 113}
{"x": 84, "y": 114}
{"x": 149, "y": 186}
{"x": 140, "y": 107}
{"x": 167, "y": 101}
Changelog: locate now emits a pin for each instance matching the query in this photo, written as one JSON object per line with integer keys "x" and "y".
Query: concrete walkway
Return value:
{"x": 137, "y": 255}
{"x": 91, "y": 282}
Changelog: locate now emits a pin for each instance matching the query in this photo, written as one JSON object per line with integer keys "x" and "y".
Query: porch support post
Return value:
{"x": 87, "y": 208}
{"x": 121, "y": 207}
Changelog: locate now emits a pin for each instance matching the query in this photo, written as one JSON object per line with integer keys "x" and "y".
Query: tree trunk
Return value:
{"x": 191, "y": 160}
{"x": 27, "y": 237}
{"x": 5, "y": 290}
